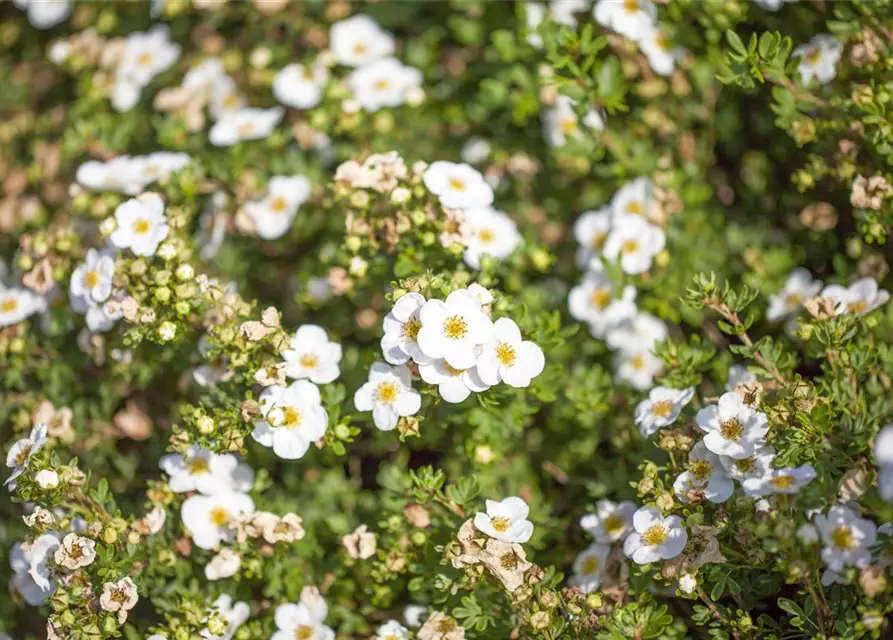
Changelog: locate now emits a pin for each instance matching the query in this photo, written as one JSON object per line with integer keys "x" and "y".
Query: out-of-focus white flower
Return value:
{"x": 493, "y": 233}
{"x": 787, "y": 480}
{"x": 304, "y": 619}
{"x": 146, "y": 54}
{"x": 248, "y": 123}
{"x": 633, "y": 243}
{"x": 205, "y": 471}
{"x": 29, "y": 563}
{"x": 358, "y": 40}
{"x": 661, "y": 408}
{"x": 43, "y": 14}
{"x": 47, "y": 479}
{"x": 234, "y": 614}
{"x": 739, "y": 375}
{"x": 631, "y": 18}
{"x": 589, "y": 566}
{"x": 611, "y": 522}
{"x": 207, "y": 518}
{"x": 561, "y": 121}
{"x": 799, "y": 288}
{"x": 661, "y": 53}
{"x": 274, "y": 214}
{"x": 861, "y": 297}
{"x": 142, "y": 225}
{"x": 383, "y": 83}
{"x": 20, "y": 453}
{"x": 16, "y": 304}
{"x": 819, "y": 58}
{"x": 847, "y": 537}
{"x": 595, "y": 302}
{"x": 223, "y": 565}
{"x": 300, "y": 85}
{"x": 93, "y": 277}
{"x": 458, "y": 186}
{"x": 392, "y": 630}
{"x": 883, "y": 456}
{"x": 312, "y": 355}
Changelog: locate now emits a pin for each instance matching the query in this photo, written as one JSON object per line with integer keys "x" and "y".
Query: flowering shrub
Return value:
{"x": 446, "y": 320}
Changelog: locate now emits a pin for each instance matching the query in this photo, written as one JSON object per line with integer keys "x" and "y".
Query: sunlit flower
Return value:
{"x": 43, "y": 14}
{"x": 358, "y": 40}
{"x": 312, "y": 355}
{"x": 388, "y": 394}
{"x": 93, "y": 278}
{"x": 304, "y": 620}
{"x": 235, "y": 614}
{"x": 454, "y": 328}
{"x": 75, "y": 552}
{"x": 142, "y": 225}
{"x": 16, "y": 304}
{"x": 29, "y": 563}
{"x": 819, "y": 58}
{"x": 146, "y": 54}
{"x": 19, "y": 455}
{"x": 508, "y": 358}
{"x": 861, "y": 297}
{"x": 638, "y": 368}
{"x": 506, "y": 520}
{"x": 453, "y": 385}
{"x": 207, "y": 518}
{"x": 591, "y": 231}
{"x": 632, "y": 199}
{"x": 248, "y": 123}
{"x": 392, "y": 630}
{"x": 274, "y": 214}
{"x": 633, "y": 243}
{"x": 492, "y": 233}
{"x": 205, "y": 471}
{"x": 787, "y": 480}
{"x": 223, "y": 565}
{"x": 292, "y": 418}
{"x": 458, "y": 186}
{"x": 631, "y": 18}
{"x": 589, "y": 566}
{"x": 706, "y": 475}
{"x": 733, "y": 428}
{"x": 401, "y": 329}
{"x": 661, "y": 53}
{"x": 383, "y": 83}
{"x": 561, "y": 122}
{"x": 654, "y": 537}
{"x": 300, "y": 85}
{"x": 595, "y": 302}
{"x": 799, "y": 288}
{"x": 847, "y": 537}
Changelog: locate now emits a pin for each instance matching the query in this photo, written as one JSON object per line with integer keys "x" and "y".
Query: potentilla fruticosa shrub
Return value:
{"x": 443, "y": 320}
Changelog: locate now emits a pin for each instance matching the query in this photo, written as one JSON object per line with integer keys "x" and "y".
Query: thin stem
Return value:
{"x": 716, "y": 613}
{"x": 803, "y": 96}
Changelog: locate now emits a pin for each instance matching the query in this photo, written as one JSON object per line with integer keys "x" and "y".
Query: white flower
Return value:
{"x": 807, "y": 533}
{"x": 401, "y": 330}
{"x": 631, "y": 18}
{"x": 388, "y": 394}
{"x": 225, "y": 99}
{"x": 75, "y": 552}
{"x": 414, "y": 614}
{"x": 234, "y": 613}
{"x": 120, "y": 596}
{"x": 493, "y": 233}
{"x": 392, "y": 630}
{"x": 799, "y": 288}
{"x": 508, "y": 358}
{"x": 661, "y": 408}
{"x": 819, "y": 58}
{"x": 452, "y": 329}
{"x": 611, "y": 521}
{"x": 563, "y": 11}
{"x": 482, "y": 294}
{"x": 654, "y": 537}
{"x": 595, "y": 302}
{"x": 16, "y": 304}
{"x": 274, "y": 214}
{"x": 458, "y": 186}
{"x": 47, "y": 479}
{"x": 207, "y": 518}
{"x": 248, "y": 123}
{"x": 454, "y": 385}
{"x": 787, "y": 480}
{"x": 688, "y": 583}
{"x": 142, "y": 225}
{"x": 475, "y": 150}
{"x": 589, "y": 566}
{"x": 633, "y": 243}
{"x": 303, "y": 620}
{"x": 591, "y": 230}
{"x": 159, "y": 165}
{"x": 561, "y": 121}
{"x": 359, "y": 40}
{"x": 847, "y": 537}
{"x": 753, "y": 468}
{"x": 205, "y": 471}
{"x": 632, "y": 199}
{"x": 223, "y": 565}
{"x": 506, "y": 520}
{"x": 383, "y": 83}
{"x": 661, "y": 53}
{"x": 312, "y": 355}
{"x": 637, "y": 368}
{"x": 300, "y": 85}
{"x": 93, "y": 278}
{"x": 29, "y": 563}
{"x": 145, "y": 55}
{"x": 19, "y": 455}
{"x": 883, "y": 455}
{"x": 739, "y": 375}
{"x": 292, "y": 418}
{"x": 123, "y": 173}
{"x": 733, "y": 428}
{"x": 705, "y": 473}
{"x": 43, "y": 14}
{"x": 861, "y": 297}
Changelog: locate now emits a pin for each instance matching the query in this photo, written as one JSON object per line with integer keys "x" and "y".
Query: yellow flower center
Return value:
{"x": 23, "y": 455}
{"x": 382, "y": 85}
{"x": 145, "y": 59}
{"x": 446, "y": 625}
{"x": 453, "y": 371}
{"x": 198, "y": 465}
{"x": 386, "y": 392}
{"x": 655, "y": 535}
{"x": 486, "y": 236}
{"x": 231, "y": 101}
{"x": 309, "y": 361}
{"x": 506, "y": 355}
{"x": 219, "y": 516}
{"x": 793, "y": 301}
{"x": 304, "y": 632}
{"x": 701, "y": 469}
{"x": 748, "y": 465}
{"x": 661, "y": 408}
{"x": 630, "y": 246}
{"x": 411, "y": 328}
{"x": 456, "y": 184}
{"x": 508, "y": 560}
{"x": 360, "y": 49}
{"x": 141, "y": 226}
{"x": 637, "y": 363}
{"x": 782, "y": 482}
{"x": 614, "y": 524}
{"x": 455, "y": 327}
{"x": 859, "y": 306}
{"x": 590, "y": 565}
{"x": 631, "y": 6}
{"x": 246, "y": 129}
{"x": 813, "y": 55}
{"x": 500, "y": 523}
{"x": 569, "y": 126}
{"x": 662, "y": 42}
{"x": 842, "y": 537}
{"x": 9, "y": 304}
{"x": 635, "y": 207}
{"x": 307, "y": 73}
{"x": 601, "y": 298}
{"x": 91, "y": 279}
{"x": 732, "y": 429}
{"x": 291, "y": 418}
{"x": 598, "y": 240}
{"x": 278, "y": 205}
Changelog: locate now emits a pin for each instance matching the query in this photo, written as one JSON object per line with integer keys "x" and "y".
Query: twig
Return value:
{"x": 726, "y": 313}
{"x": 719, "y": 616}
{"x": 819, "y": 605}
{"x": 802, "y": 96}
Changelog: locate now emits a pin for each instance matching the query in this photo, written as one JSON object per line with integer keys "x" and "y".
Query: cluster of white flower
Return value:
{"x": 465, "y": 193}
{"x": 637, "y": 20}
{"x": 859, "y": 298}
{"x": 292, "y": 417}
{"x": 454, "y": 344}
{"x": 620, "y": 233}
{"x": 611, "y": 522}
{"x": 145, "y": 55}
{"x": 130, "y": 174}
{"x": 304, "y": 619}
